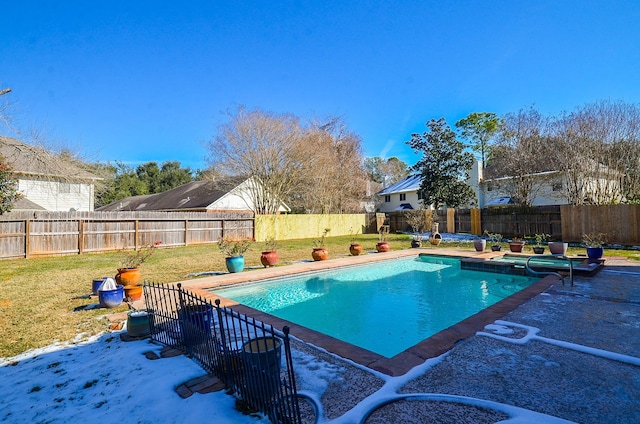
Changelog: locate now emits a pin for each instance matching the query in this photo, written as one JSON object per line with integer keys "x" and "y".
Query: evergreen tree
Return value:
{"x": 444, "y": 166}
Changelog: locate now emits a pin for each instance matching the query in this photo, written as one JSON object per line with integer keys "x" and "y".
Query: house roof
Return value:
{"x": 24, "y": 204}
{"x": 193, "y": 195}
{"x": 411, "y": 183}
{"x": 32, "y": 160}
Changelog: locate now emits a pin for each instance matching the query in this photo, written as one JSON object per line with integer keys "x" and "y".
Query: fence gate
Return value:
{"x": 243, "y": 353}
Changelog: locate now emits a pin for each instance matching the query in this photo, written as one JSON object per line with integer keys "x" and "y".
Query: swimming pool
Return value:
{"x": 384, "y": 307}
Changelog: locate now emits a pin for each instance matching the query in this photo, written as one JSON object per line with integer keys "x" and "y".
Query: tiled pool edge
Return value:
{"x": 399, "y": 364}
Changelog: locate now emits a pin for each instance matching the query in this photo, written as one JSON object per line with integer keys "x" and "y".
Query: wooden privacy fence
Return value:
{"x": 53, "y": 233}
{"x": 508, "y": 221}
{"x": 620, "y": 223}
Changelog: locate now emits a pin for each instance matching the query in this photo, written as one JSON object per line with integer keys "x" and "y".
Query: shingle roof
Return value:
{"x": 411, "y": 183}
{"x": 193, "y": 195}
{"x": 32, "y": 160}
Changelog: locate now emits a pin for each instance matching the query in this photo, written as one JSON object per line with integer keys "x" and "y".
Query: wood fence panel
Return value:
{"x": 463, "y": 220}
{"x": 48, "y": 237}
{"x": 519, "y": 221}
{"x": 621, "y": 223}
{"x": 12, "y": 240}
{"x": 201, "y": 231}
{"x": 25, "y": 234}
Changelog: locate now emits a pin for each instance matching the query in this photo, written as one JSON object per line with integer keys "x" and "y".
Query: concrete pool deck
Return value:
{"x": 579, "y": 367}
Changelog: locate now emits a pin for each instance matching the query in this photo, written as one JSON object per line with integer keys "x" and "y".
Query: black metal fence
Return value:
{"x": 243, "y": 353}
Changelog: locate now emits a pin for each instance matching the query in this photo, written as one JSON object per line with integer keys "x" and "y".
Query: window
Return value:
{"x": 420, "y": 195}
{"x": 64, "y": 188}
{"x": 387, "y": 198}
{"x": 403, "y": 196}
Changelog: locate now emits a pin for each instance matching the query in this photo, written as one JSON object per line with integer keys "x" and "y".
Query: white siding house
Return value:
{"x": 402, "y": 195}
{"x": 548, "y": 188}
{"x": 46, "y": 181}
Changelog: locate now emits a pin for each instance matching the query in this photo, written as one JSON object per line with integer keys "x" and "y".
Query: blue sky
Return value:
{"x": 142, "y": 81}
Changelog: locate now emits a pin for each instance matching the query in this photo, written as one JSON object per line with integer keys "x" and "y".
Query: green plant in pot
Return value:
{"x": 495, "y": 239}
{"x": 539, "y": 239}
{"x": 594, "y": 242}
{"x": 129, "y": 271}
{"x": 234, "y": 250}
{"x": 417, "y": 220}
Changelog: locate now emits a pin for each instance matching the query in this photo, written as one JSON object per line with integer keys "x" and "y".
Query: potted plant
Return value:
{"x": 383, "y": 244}
{"x": 355, "y": 248}
{"x": 320, "y": 252}
{"x": 416, "y": 218}
{"x": 516, "y": 244}
{"x": 479, "y": 244}
{"x": 234, "y": 251}
{"x": 495, "y": 239}
{"x": 269, "y": 256}
{"x": 540, "y": 238}
{"x": 129, "y": 272}
{"x": 594, "y": 243}
{"x": 558, "y": 247}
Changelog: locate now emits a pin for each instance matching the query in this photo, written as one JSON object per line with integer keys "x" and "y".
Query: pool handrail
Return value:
{"x": 556, "y": 256}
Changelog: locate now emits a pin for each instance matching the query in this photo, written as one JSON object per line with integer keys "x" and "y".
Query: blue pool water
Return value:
{"x": 384, "y": 307}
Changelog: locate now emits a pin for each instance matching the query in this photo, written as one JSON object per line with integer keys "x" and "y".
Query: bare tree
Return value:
{"x": 517, "y": 159}
{"x": 335, "y": 171}
{"x": 265, "y": 147}
{"x": 598, "y": 151}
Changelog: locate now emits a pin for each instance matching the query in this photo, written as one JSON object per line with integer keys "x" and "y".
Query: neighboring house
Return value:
{"x": 47, "y": 182}
{"x": 547, "y": 188}
{"x": 221, "y": 195}
{"x": 403, "y": 195}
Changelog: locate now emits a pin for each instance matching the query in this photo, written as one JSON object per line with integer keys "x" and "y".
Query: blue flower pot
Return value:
{"x": 111, "y": 298}
{"x": 96, "y": 283}
{"x": 235, "y": 263}
{"x": 195, "y": 323}
{"x": 595, "y": 252}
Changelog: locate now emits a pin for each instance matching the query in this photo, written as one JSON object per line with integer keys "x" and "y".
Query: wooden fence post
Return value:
{"x": 451, "y": 220}
{"x": 80, "y": 235}
{"x": 476, "y": 221}
{"x": 27, "y": 237}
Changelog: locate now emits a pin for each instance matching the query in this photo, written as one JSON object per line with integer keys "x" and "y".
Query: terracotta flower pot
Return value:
{"x": 269, "y": 258}
{"x": 355, "y": 249}
{"x": 320, "y": 253}
{"x": 132, "y": 292}
{"x": 383, "y": 246}
{"x": 128, "y": 276}
{"x": 516, "y": 246}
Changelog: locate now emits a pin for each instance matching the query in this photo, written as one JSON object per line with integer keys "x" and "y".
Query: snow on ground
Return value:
{"x": 109, "y": 381}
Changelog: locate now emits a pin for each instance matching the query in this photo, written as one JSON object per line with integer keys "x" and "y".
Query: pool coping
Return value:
{"x": 401, "y": 363}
